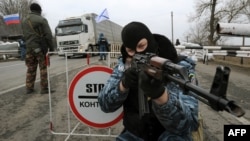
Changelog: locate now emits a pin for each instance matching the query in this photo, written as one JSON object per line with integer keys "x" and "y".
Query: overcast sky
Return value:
{"x": 156, "y": 14}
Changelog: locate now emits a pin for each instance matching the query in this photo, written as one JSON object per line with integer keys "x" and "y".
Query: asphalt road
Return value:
{"x": 238, "y": 91}
{"x": 29, "y": 117}
{"x": 13, "y": 72}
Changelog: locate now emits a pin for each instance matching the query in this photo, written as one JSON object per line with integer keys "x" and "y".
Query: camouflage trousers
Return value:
{"x": 32, "y": 61}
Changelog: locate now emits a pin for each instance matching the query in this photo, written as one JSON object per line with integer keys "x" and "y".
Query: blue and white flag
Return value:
{"x": 103, "y": 16}
{"x": 11, "y": 19}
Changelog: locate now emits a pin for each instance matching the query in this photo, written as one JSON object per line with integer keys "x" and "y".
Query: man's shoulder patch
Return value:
{"x": 121, "y": 67}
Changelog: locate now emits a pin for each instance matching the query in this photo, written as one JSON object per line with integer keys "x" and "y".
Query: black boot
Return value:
{"x": 29, "y": 91}
{"x": 46, "y": 91}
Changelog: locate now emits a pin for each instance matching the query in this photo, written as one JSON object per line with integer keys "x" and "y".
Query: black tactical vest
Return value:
{"x": 103, "y": 42}
{"x": 148, "y": 127}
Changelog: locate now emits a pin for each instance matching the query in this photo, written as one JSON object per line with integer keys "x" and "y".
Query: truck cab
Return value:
{"x": 75, "y": 36}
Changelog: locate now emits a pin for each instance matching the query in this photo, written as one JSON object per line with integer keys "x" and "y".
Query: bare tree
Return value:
{"x": 247, "y": 10}
{"x": 197, "y": 34}
{"x": 210, "y": 12}
{"x": 8, "y": 7}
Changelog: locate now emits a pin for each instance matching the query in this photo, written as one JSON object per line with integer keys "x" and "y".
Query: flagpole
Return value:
{"x": 111, "y": 31}
{"x": 172, "y": 27}
{"x": 104, "y": 16}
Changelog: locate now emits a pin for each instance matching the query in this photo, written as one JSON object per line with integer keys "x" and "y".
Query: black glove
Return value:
{"x": 130, "y": 78}
{"x": 150, "y": 86}
{"x": 51, "y": 49}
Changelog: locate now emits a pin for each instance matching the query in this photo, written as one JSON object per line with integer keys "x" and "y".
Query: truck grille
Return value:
{"x": 72, "y": 42}
{"x": 69, "y": 48}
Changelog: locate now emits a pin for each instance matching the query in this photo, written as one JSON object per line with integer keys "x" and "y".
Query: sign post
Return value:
{"x": 82, "y": 97}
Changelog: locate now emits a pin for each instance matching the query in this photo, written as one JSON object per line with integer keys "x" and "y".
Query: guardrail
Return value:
{"x": 202, "y": 52}
{"x": 233, "y": 29}
{"x": 214, "y": 47}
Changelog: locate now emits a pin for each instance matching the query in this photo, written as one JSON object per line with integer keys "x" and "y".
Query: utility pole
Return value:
{"x": 172, "y": 27}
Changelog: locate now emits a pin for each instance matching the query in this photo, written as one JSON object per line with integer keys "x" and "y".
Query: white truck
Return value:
{"x": 78, "y": 35}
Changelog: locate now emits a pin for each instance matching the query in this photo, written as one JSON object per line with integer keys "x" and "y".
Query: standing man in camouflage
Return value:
{"x": 33, "y": 26}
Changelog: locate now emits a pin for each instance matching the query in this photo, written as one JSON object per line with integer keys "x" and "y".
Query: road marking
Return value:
{"x": 20, "y": 86}
{"x": 243, "y": 120}
{"x": 11, "y": 65}
{"x": 11, "y": 89}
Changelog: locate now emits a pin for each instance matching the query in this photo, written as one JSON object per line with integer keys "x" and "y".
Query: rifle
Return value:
{"x": 163, "y": 69}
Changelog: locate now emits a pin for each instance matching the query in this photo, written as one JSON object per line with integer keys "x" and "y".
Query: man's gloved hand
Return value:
{"x": 130, "y": 78}
{"x": 51, "y": 49}
{"x": 151, "y": 87}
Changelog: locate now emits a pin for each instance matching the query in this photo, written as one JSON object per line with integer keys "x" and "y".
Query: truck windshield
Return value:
{"x": 66, "y": 30}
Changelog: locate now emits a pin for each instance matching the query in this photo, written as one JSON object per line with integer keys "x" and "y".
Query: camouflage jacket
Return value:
{"x": 39, "y": 27}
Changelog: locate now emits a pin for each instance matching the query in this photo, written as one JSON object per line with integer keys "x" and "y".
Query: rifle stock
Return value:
{"x": 163, "y": 69}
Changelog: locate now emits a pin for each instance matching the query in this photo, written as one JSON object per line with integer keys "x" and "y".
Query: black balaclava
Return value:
{"x": 133, "y": 32}
{"x": 124, "y": 53}
{"x": 35, "y": 7}
{"x": 166, "y": 48}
